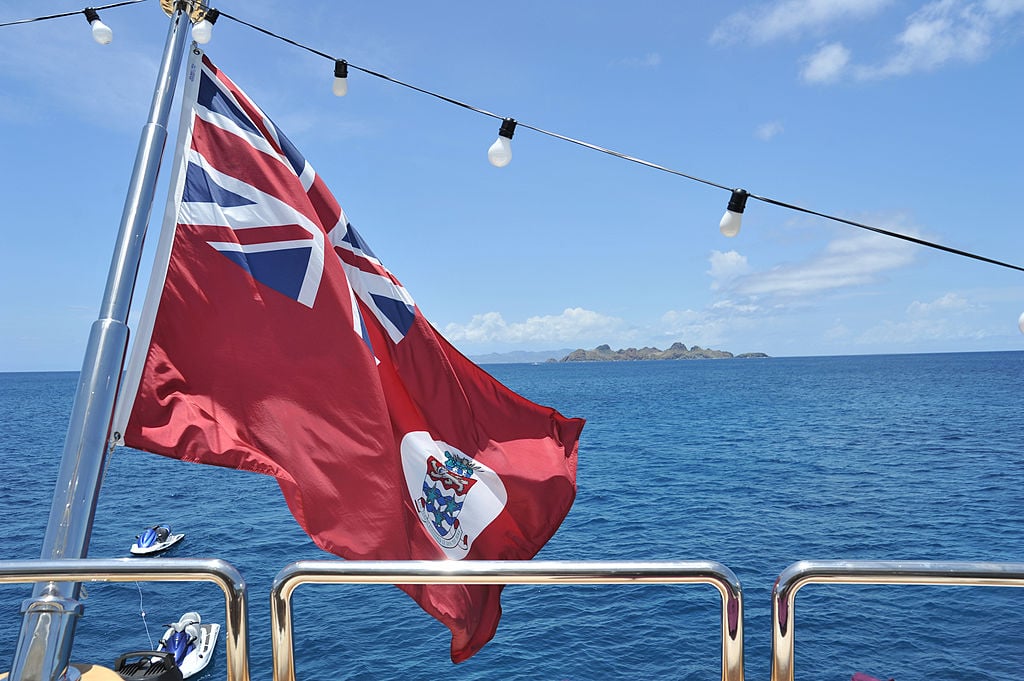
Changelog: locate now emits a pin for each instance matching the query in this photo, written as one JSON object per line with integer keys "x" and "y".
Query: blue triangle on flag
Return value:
{"x": 398, "y": 312}
{"x": 200, "y": 188}
{"x": 356, "y": 240}
{"x": 282, "y": 270}
{"x": 216, "y": 100}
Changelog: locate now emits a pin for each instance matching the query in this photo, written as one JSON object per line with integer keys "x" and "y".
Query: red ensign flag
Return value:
{"x": 273, "y": 340}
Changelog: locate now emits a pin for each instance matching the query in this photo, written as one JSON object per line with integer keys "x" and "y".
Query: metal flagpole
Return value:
{"x": 51, "y": 614}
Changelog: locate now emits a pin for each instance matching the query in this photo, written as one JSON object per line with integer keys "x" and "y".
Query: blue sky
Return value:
{"x": 901, "y": 114}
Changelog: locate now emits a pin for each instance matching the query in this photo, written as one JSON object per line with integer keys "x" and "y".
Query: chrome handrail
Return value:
{"x": 925, "y": 573}
{"x": 220, "y": 572}
{"x": 506, "y": 572}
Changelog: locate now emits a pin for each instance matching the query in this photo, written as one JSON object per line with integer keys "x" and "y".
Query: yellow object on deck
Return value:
{"x": 89, "y": 672}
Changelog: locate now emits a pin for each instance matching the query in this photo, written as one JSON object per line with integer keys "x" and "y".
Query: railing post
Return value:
{"x": 799, "y": 574}
{"x": 507, "y": 572}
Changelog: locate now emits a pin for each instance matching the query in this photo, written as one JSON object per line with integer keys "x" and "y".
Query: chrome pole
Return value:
{"x": 214, "y": 570}
{"x": 506, "y": 572}
{"x": 918, "y": 572}
{"x": 50, "y": 616}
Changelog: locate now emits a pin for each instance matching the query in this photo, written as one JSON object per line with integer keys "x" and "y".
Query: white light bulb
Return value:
{"x": 730, "y": 224}
{"x": 101, "y": 33}
{"x": 500, "y": 153}
{"x": 340, "y": 87}
{"x": 202, "y": 31}
{"x": 1020, "y": 322}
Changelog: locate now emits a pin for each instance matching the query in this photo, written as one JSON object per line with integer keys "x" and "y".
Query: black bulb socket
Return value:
{"x": 738, "y": 200}
{"x": 508, "y": 128}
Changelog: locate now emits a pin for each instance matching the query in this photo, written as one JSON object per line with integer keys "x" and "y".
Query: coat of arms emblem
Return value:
{"x": 445, "y": 486}
{"x": 455, "y": 495}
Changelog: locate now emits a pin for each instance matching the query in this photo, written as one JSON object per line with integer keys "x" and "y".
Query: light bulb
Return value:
{"x": 1020, "y": 322}
{"x": 340, "y": 87}
{"x": 500, "y": 153}
{"x": 730, "y": 222}
{"x": 101, "y": 33}
{"x": 202, "y": 31}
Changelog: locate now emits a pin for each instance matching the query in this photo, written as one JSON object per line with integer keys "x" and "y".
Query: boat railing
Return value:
{"x": 801, "y": 573}
{"x": 220, "y": 572}
{"x": 507, "y": 572}
{"x": 227, "y": 577}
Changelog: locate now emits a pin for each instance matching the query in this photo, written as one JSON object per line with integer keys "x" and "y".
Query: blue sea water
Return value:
{"x": 752, "y": 463}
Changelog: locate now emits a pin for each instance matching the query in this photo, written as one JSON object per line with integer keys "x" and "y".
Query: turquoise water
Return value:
{"x": 752, "y": 463}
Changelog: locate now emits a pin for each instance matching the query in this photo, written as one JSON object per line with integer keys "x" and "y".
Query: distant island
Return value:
{"x": 604, "y": 353}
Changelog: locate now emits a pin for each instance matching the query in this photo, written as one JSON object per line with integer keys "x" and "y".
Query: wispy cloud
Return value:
{"x": 573, "y": 325}
{"x": 768, "y": 131}
{"x": 944, "y": 304}
{"x": 850, "y": 261}
{"x": 942, "y": 32}
{"x": 747, "y": 299}
{"x": 948, "y": 317}
{"x": 726, "y": 267}
{"x": 826, "y": 65}
{"x": 713, "y": 325}
{"x": 936, "y": 34}
{"x": 648, "y": 61}
{"x": 790, "y": 19}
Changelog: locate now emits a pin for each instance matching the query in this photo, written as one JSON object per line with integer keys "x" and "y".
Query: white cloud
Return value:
{"x": 938, "y": 33}
{"x": 712, "y": 326}
{"x": 767, "y": 131}
{"x": 944, "y": 318}
{"x": 750, "y": 301}
{"x": 951, "y": 302}
{"x": 1004, "y": 8}
{"x": 941, "y": 32}
{"x": 849, "y": 261}
{"x": 791, "y": 19}
{"x": 726, "y": 267}
{"x": 572, "y": 325}
{"x": 826, "y": 65}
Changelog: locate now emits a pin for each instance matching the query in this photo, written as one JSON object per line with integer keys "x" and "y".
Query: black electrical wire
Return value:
{"x": 71, "y": 14}
{"x": 896, "y": 235}
{"x": 564, "y": 138}
{"x": 627, "y": 157}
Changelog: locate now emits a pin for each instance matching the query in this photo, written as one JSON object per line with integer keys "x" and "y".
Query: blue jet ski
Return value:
{"x": 156, "y": 539}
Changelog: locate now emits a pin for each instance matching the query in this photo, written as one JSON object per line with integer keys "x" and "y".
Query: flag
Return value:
{"x": 273, "y": 340}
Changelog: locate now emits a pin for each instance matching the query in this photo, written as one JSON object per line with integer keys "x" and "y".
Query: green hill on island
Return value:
{"x": 604, "y": 353}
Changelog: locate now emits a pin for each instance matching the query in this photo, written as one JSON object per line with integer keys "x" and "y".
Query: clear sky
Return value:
{"x": 904, "y": 114}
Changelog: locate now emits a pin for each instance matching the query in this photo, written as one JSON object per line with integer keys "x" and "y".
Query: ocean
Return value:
{"x": 752, "y": 463}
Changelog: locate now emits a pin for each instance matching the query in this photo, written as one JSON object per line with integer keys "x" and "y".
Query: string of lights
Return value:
{"x": 71, "y": 14}
{"x": 500, "y": 152}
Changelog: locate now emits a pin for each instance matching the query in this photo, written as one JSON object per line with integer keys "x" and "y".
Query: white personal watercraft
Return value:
{"x": 191, "y": 642}
{"x": 155, "y": 540}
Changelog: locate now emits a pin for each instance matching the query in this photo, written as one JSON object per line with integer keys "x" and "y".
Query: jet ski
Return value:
{"x": 191, "y": 642}
{"x": 155, "y": 540}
